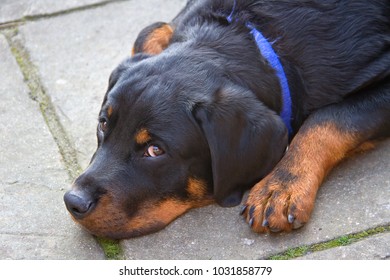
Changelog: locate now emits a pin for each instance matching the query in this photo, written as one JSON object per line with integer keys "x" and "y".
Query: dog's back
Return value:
{"x": 337, "y": 47}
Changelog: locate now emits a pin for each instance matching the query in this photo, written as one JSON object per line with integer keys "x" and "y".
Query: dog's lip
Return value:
{"x": 126, "y": 234}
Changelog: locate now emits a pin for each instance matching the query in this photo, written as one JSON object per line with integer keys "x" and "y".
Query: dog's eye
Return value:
{"x": 102, "y": 126}
{"x": 154, "y": 151}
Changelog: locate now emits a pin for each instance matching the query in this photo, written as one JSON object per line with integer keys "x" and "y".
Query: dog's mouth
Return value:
{"x": 106, "y": 218}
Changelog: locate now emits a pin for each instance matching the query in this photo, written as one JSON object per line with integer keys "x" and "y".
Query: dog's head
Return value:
{"x": 174, "y": 133}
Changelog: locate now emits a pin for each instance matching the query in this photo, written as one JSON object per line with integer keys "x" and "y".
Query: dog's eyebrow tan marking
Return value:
{"x": 142, "y": 136}
{"x": 109, "y": 111}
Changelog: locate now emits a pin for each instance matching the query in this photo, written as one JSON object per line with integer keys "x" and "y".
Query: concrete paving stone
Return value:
{"x": 42, "y": 247}
{"x": 11, "y": 10}
{"x": 76, "y": 62}
{"x": 33, "y": 221}
{"x": 75, "y": 65}
{"x": 372, "y": 248}
{"x": 35, "y": 225}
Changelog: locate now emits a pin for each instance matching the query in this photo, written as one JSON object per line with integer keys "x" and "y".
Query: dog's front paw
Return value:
{"x": 280, "y": 202}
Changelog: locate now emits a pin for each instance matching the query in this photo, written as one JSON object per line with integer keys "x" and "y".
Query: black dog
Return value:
{"x": 207, "y": 105}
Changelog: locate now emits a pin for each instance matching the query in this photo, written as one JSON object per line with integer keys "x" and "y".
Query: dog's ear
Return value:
{"x": 246, "y": 140}
{"x": 153, "y": 39}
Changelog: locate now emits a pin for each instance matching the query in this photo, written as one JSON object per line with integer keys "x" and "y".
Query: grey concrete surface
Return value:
{"x": 75, "y": 53}
{"x": 33, "y": 221}
{"x": 11, "y": 10}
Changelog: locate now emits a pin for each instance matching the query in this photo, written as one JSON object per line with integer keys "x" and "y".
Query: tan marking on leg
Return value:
{"x": 364, "y": 147}
{"x": 291, "y": 188}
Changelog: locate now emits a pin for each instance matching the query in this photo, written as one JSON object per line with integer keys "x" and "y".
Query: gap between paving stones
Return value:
{"x": 13, "y": 23}
{"x": 344, "y": 240}
{"x": 38, "y": 94}
{"x": 19, "y": 234}
{"x": 66, "y": 148}
{"x": 68, "y": 152}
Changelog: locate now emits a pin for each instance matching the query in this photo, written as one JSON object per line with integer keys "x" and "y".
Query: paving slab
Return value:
{"x": 11, "y": 10}
{"x": 33, "y": 221}
{"x": 75, "y": 65}
{"x": 373, "y": 248}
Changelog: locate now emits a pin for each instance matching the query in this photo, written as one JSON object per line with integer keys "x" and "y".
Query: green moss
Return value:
{"x": 344, "y": 240}
{"x": 341, "y": 241}
{"x": 291, "y": 253}
{"x": 111, "y": 248}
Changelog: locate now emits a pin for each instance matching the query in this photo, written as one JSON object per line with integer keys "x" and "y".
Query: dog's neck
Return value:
{"x": 268, "y": 53}
{"x": 232, "y": 48}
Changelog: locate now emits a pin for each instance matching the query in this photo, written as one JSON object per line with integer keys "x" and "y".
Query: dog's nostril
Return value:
{"x": 80, "y": 209}
{"x": 78, "y": 205}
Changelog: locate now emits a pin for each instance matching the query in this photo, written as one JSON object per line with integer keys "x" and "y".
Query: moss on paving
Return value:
{"x": 37, "y": 93}
{"x": 111, "y": 248}
{"x": 344, "y": 240}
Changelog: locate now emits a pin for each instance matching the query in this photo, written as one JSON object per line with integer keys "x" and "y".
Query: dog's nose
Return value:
{"x": 78, "y": 204}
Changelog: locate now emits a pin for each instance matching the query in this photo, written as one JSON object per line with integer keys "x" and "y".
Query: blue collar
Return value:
{"x": 269, "y": 54}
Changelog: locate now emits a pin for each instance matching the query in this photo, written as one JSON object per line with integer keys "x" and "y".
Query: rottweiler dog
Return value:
{"x": 236, "y": 95}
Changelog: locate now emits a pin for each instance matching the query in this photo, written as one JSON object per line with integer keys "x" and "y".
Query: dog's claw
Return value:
{"x": 265, "y": 223}
{"x": 296, "y": 224}
{"x": 243, "y": 209}
{"x": 251, "y": 212}
{"x": 251, "y": 222}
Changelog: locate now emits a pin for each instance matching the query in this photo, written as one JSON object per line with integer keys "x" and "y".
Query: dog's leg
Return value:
{"x": 284, "y": 199}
